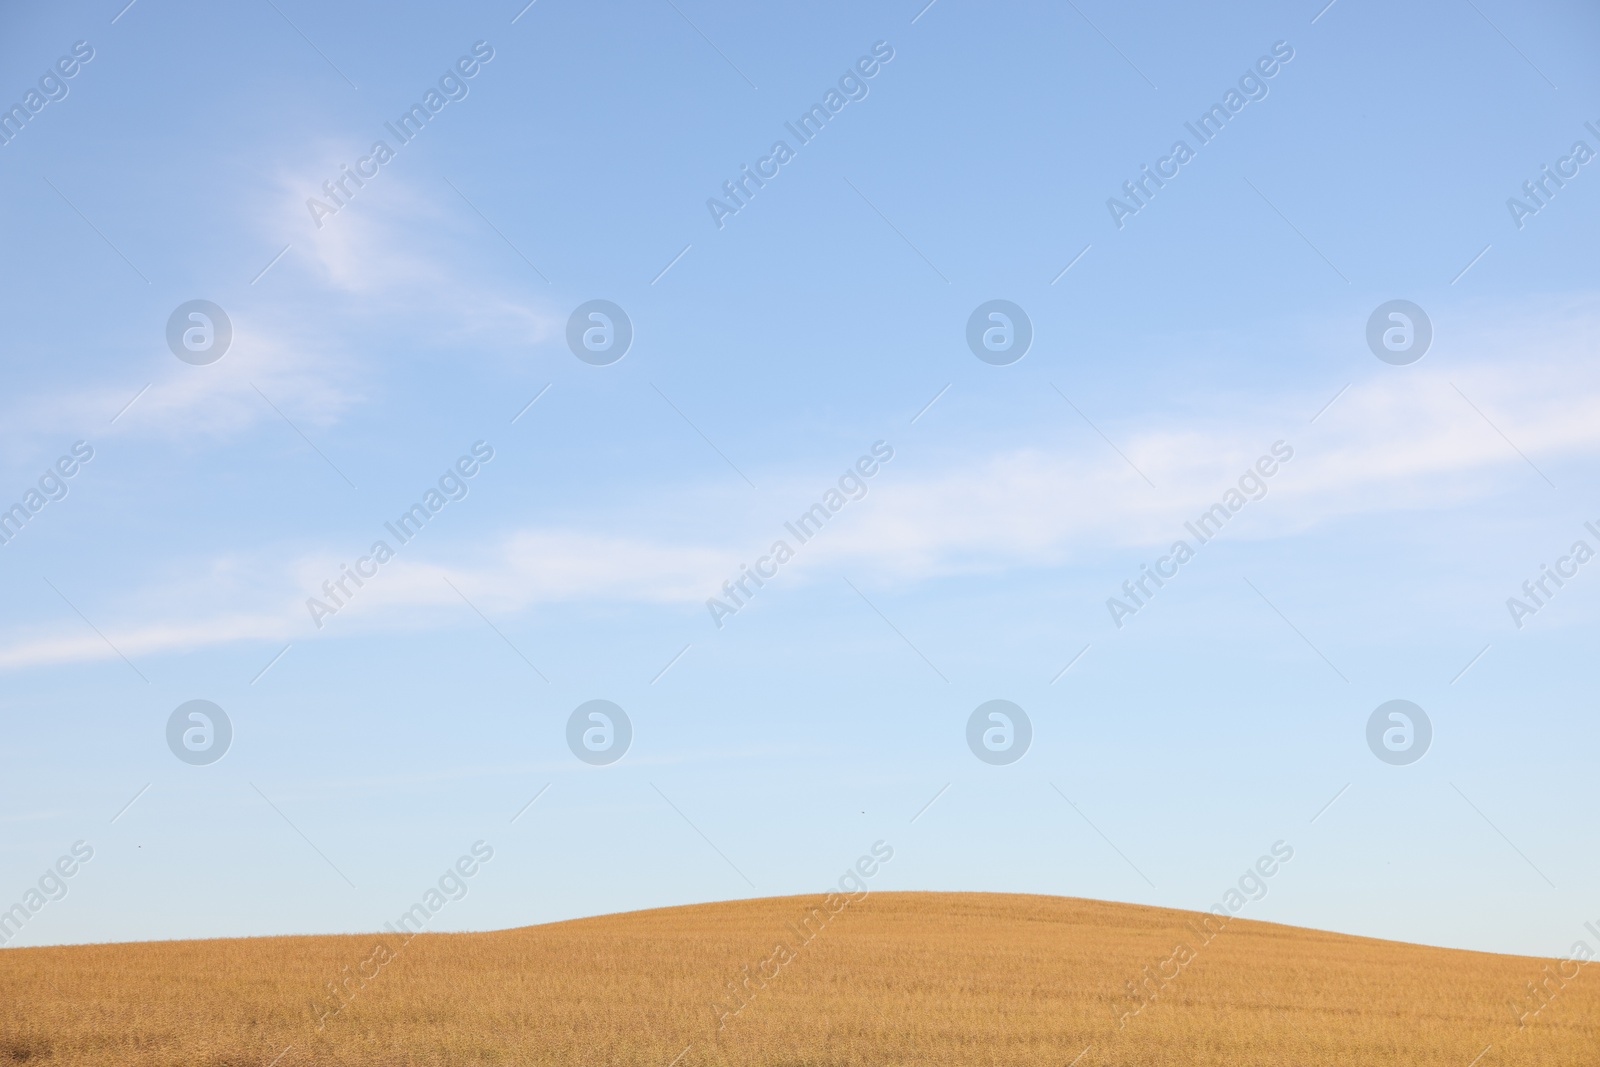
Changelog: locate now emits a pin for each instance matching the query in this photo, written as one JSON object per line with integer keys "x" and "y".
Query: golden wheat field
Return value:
{"x": 894, "y": 978}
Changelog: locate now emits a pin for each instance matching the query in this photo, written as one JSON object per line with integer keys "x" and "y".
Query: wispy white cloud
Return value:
{"x": 407, "y": 261}
{"x": 411, "y": 251}
{"x": 1440, "y": 435}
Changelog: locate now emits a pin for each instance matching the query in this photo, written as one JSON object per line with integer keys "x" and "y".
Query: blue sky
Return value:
{"x": 371, "y": 351}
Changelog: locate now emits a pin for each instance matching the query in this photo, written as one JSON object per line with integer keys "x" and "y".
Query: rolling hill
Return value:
{"x": 894, "y": 978}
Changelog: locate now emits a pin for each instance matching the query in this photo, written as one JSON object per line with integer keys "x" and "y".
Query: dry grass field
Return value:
{"x": 895, "y": 978}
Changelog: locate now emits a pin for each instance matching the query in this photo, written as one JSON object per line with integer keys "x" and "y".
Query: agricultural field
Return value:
{"x": 892, "y": 978}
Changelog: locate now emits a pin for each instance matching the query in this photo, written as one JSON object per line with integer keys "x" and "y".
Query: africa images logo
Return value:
{"x": 1399, "y": 732}
{"x": 199, "y": 732}
{"x": 599, "y": 732}
{"x": 199, "y": 332}
{"x": 999, "y": 732}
